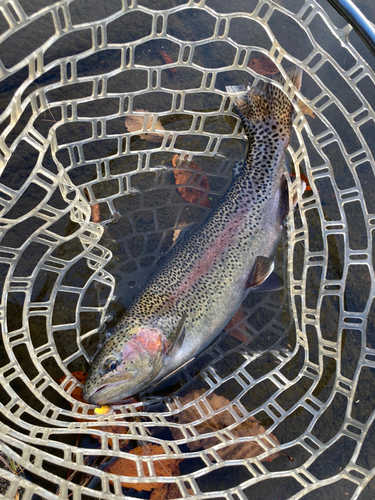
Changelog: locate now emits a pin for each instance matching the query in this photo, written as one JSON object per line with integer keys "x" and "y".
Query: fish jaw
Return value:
{"x": 137, "y": 361}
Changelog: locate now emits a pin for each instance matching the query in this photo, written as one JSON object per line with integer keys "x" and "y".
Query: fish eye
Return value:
{"x": 110, "y": 364}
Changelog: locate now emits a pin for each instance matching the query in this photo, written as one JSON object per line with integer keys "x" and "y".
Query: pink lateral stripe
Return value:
{"x": 212, "y": 254}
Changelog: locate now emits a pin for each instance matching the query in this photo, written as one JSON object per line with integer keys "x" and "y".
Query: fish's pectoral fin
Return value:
{"x": 263, "y": 267}
{"x": 178, "y": 337}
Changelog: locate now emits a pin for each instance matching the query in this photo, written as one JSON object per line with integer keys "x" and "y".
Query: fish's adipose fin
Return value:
{"x": 263, "y": 267}
{"x": 178, "y": 337}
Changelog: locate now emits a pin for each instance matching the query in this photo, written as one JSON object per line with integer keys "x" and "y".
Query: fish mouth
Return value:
{"x": 112, "y": 391}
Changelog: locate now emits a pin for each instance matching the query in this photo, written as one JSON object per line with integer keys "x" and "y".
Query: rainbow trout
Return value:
{"x": 207, "y": 274}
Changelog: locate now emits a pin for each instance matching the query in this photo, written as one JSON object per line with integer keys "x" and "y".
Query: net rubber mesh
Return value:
{"x": 296, "y": 364}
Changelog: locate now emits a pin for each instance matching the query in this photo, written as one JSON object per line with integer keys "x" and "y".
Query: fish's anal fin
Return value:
{"x": 263, "y": 267}
{"x": 178, "y": 337}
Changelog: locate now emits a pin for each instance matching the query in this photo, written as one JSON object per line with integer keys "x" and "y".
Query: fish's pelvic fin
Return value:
{"x": 272, "y": 284}
{"x": 263, "y": 267}
{"x": 178, "y": 337}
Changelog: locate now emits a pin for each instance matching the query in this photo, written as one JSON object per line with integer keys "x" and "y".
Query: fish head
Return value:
{"x": 123, "y": 367}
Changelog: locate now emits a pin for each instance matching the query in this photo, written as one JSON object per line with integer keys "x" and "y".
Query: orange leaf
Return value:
{"x": 115, "y": 429}
{"x": 305, "y": 109}
{"x": 168, "y": 60}
{"x": 304, "y": 179}
{"x": 236, "y": 333}
{"x": 77, "y": 392}
{"x": 220, "y": 420}
{"x": 188, "y": 193}
{"x": 95, "y": 213}
{"x": 167, "y": 492}
{"x": 163, "y": 467}
{"x": 135, "y": 122}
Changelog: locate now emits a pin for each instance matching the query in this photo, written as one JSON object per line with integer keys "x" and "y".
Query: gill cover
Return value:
{"x": 119, "y": 371}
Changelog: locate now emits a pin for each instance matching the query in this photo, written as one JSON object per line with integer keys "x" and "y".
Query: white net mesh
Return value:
{"x": 297, "y": 365}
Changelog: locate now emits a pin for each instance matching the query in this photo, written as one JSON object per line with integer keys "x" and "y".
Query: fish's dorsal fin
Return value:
{"x": 178, "y": 337}
{"x": 263, "y": 267}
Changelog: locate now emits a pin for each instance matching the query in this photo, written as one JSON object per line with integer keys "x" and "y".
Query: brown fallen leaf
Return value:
{"x": 168, "y": 491}
{"x": 77, "y": 391}
{"x": 305, "y": 109}
{"x": 135, "y": 122}
{"x": 188, "y": 193}
{"x": 263, "y": 65}
{"x": 176, "y": 232}
{"x": 236, "y": 333}
{"x": 221, "y": 420}
{"x": 304, "y": 179}
{"x": 95, "y": 211}
{"x": 77, "y": 394}
{"x": 114, "y": 429}
{"x": 168, "y": 60}
{"x": 163, "y": 467}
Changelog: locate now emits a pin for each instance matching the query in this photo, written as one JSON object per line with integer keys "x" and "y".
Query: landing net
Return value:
{"x": 282, "y": 404}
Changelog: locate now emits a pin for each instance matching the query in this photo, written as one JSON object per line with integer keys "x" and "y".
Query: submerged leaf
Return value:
{"x": 304, "y": 179}
{"x": 95, "y": 210}
{"x": 167, "y": 492}
{"x": 263, "y": 65}
{"x": 135, "y": 122}
{"x": 190, "y": 194}
{"x": 236, "y": 332}
{"x": 176, "y": 232}
{"x": 221, "y": 420}
{"x": 305, "y": 109}
{"x": 168, "y": 60}
{"x": 163, "y": 468}
{"x": 81, "y": 376}
{"x": 114, "y": 429}
{"x": 95, "y": 213}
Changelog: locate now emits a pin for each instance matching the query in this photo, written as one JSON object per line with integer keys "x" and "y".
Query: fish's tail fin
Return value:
{"x": 266, "y": 101}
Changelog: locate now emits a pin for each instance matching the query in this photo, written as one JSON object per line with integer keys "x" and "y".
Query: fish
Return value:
{"x": 168, "y": 60}
{"x": 211, "y": 268}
